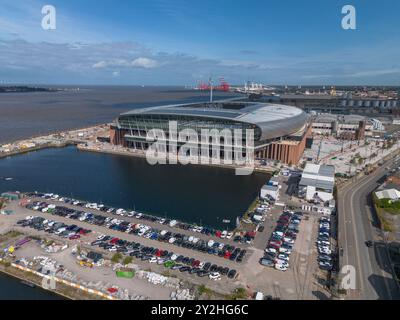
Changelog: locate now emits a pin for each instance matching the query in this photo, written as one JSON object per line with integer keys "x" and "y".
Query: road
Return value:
{"x": 357, "y": 224}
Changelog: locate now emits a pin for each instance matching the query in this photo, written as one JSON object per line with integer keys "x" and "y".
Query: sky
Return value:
{"x": 182, "y": 42}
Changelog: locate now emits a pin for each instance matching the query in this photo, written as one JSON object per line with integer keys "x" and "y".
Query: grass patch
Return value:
{"x": 238, "y": 294}
{"x": 385, "y": 224}
{"x": 9, "y": 235}
{"x": 203, "y": 290}
{"x": 388, "y": 205}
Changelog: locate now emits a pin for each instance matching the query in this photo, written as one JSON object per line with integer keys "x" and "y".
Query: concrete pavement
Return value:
{"x": 357, "y": 224}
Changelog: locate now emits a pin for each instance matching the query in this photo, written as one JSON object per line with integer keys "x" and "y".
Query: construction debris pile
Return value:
{"x": 182, "y": 294}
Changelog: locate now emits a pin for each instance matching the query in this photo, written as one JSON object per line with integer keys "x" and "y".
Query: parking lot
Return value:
{"x": 299, "y": 281}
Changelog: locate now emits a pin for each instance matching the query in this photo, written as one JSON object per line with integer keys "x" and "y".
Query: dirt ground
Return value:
{"x": 300, "y": 281}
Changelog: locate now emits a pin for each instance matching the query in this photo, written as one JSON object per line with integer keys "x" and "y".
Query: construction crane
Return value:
{"x": 223, "y": 86}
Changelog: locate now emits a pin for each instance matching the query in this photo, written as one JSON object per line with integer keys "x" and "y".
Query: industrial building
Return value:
{"x": 352, "y": 127}
{"x": 317, "y": 183}
{"x": 338, "y": 104}
{"x": 280, "y": 131}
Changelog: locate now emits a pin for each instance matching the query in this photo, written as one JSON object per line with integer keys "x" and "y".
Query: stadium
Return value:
{"x": 280, "y": 131}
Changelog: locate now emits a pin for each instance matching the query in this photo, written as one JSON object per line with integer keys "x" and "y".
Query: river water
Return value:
{"x": 197, "y": 194}
{"x": 12, "y": 289}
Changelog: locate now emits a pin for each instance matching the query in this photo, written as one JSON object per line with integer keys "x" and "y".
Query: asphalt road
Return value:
{"x": 357, "y": 224}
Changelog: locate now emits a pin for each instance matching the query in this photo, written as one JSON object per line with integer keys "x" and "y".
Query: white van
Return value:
{"x": 259, "y": 296}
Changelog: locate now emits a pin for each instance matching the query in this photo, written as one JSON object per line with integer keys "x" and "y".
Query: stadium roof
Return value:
{"x": 274, "y": 120}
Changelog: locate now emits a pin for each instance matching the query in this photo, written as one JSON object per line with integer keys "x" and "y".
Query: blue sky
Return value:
{"x": 181, "y": 42}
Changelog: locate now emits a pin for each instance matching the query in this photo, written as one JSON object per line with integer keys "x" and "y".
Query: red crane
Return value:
{"x": 223, "y": 86}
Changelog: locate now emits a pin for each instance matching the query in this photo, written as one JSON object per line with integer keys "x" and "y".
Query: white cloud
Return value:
{"x": 140, "y": 62}
{"x": 144, "y": 63}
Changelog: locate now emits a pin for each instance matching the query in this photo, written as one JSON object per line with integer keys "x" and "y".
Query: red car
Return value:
{"x": 276, "y": 242}
{"x": 74, "y": 237}
{"x": 274, "y": 245}
{"x": 158, "y": 253}
{"x": 227, "y": 255}
{"x": 195, "y": 263}
{"x": 114, "y": 240}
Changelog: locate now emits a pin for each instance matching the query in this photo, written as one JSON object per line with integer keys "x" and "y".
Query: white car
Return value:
{"x": 153, "y": 260}
{"x": 271, "y": 250}
{"x": 323, "y": 243}
{"x": 229, "y": 235}
{"x": 172, "y": 240}
{"x": 173, "y": 223}
{"x": 285, "y": 250}
{"x": 282, "y": 262}
{"x": 280, "y": 267}
{"x": 288, "y": 240}
{"x": 215, "y": 276}
{"x": 277, "y": 233}
{"x": 224, "y": 234}
{"x": 161, "y": 221}
{"x": 324, "y": 250}
{"x": 283, "y": 257}
{"x": 174, "y": 257}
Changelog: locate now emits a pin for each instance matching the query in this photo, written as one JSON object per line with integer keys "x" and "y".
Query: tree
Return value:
{"x": 127, "y": 260}
{"x": 116, "y": 258}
